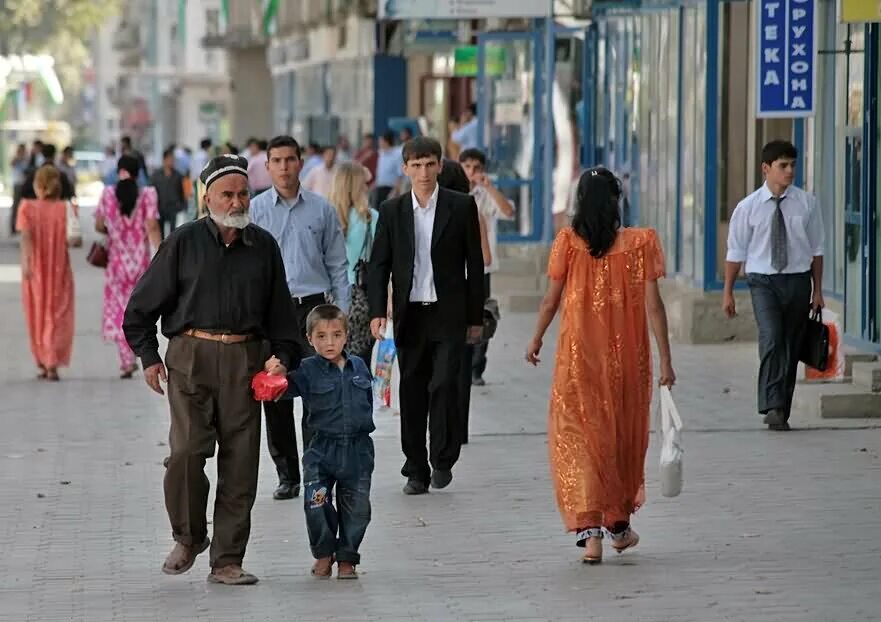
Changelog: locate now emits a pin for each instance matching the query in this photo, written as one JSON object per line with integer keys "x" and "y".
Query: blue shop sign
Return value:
{"x": 787, "y": 58}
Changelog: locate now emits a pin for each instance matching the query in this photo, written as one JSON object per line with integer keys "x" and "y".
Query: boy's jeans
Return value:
{"x": 347, "y": 463}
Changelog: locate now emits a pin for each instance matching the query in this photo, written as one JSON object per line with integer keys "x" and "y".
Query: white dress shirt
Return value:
{"x": 423, "y": 271}
{"x": 749, "y": 232}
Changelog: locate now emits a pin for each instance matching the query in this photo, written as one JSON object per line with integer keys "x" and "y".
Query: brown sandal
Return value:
{"x": 128, "y": 372}
{"x": 627, "y": 539}
{"x": 52, "y": 375}
{"x": 346, "y": 571}
{"x": 185, "y": 554}
{"x": 322, "y": 568}
{"x": 592, "y": 541}
{"x": 231, "y": 575}
{"x": 41, "y": 372}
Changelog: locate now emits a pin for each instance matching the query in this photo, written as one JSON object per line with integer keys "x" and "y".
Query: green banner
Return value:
{"x": 465, "y": 58}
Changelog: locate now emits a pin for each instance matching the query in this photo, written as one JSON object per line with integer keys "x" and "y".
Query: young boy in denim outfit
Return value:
{"x": 337, "y": 387}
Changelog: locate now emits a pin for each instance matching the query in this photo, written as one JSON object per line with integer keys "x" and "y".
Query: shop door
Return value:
{"x": 509, "y": 112}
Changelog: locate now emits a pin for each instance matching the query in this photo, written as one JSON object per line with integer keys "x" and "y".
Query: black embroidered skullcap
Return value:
{"x": 223, "y": 165}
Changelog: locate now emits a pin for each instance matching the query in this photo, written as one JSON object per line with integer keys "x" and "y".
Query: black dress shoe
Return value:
{"x": 415, "y": 487}
{"x": 775, "y": 417}
{"x": 780, "y": 427}
{"x": 286, "y": 491}
{"x": 441, "y": 478}
{"x": 478, "y": 381}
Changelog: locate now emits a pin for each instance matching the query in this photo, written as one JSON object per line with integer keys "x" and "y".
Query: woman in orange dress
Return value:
{"x": 598, "y": 430}
{"x": 47, "y": 280}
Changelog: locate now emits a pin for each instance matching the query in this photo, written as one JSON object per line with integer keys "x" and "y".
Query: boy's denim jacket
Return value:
{"x": 340, "y": 401}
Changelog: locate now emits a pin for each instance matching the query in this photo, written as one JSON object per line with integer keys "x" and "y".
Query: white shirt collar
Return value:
{"x": 432, "y": 202}
{"x": 767, "y": 195}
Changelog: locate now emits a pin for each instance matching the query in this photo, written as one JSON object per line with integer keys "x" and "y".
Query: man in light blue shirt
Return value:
{"x": 467, "y": 135}
{"x": 314, "y": 252}
{"x": 389, "y": 171}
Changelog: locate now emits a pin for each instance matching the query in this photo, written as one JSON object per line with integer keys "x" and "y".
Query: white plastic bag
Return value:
{"x": 671, "y": 446}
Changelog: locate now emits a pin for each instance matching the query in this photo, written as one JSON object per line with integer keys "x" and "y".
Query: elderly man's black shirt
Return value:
{"x": 197, "y": 281}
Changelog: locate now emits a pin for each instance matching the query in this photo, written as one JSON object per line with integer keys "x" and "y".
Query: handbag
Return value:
{"x": 97, "y": 255}
{"x": 359, "y": 309}
{"x": 670, "y": 474}
{"x": 363, "y": 260}
{"x": 814, "y": 350}
{"x": 74, "y": 231}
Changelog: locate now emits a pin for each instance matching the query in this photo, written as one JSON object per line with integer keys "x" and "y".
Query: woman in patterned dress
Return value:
{"x": 598, "y": 430}
{"x": 47, "y": 280}
{"x": 130, "y": 218}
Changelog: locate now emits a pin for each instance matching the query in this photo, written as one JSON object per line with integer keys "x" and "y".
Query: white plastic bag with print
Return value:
{"x": 670, "y": 474}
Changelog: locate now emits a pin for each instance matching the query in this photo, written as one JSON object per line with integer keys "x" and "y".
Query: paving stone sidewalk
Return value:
{"x": 770, "y": 527}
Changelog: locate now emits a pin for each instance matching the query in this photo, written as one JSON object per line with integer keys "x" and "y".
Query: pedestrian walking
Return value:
{"x": 218, "y": 285}
{"x": 129, "y": 216}
{"x": 777, "y": 232}
{"x": 306, "y": 228}
{"x": 350, "y": 197}
{"x": 452, "y": 177}
{"x": 47, "y": 155}
{"x": 492, "y": 206}
{"x": 47, "y": 279}
{"x": 428, "y": 242}
{"x": 388, "y": 170}
{"x": 598, "y": 427}
{"x": 339, "y": 458}
{"x": 320, "y": 179}
{"x": 170, "y": 192}
{"x": 258, "y": 175}
{"x": 19, "y": 168}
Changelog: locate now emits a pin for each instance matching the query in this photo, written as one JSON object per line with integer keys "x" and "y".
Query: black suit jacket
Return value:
{"x": 455, "y": 256}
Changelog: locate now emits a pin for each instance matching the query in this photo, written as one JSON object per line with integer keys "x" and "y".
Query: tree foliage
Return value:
{"x": 60, "y": 28}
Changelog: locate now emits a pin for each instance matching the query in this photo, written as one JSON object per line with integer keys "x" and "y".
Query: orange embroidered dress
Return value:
{"x": 598, "y": 427}
{"x": 47, "y": 296}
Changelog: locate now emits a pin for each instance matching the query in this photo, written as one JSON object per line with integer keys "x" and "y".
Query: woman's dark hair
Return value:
{"x": 597, "y": 218}
{"x": 452, "y": 177}
{"x": 127, "y": 189}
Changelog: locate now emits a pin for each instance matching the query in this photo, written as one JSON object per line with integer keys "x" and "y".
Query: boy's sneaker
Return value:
{"x": 346, "y": 570}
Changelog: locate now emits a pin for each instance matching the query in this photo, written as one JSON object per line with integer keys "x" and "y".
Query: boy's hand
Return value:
{"x": 274, "y": 367}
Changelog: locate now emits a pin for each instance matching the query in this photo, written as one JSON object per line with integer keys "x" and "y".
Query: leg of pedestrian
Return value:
{"x": 444, "y": 423}
{"x": 238, "y": 457}
{"x": 322, "y": 521}
{"x": 798, "y": 302}
{"x": 768, "y": 310}
{"x": 353, "y": 503}
{"x": 192, "y": 438}
{"x": 415, "y": 365}
{"x": 281, "y": 437}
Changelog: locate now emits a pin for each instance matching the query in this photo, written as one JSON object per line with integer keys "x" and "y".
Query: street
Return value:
{"x": 776, "y": 527}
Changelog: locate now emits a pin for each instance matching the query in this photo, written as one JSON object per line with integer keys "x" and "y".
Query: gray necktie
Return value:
{"x": 778, "y": 238}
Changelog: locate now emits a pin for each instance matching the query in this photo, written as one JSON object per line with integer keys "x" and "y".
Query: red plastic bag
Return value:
{"x": 835, "y": 366}
{"x": 268, "y": 388}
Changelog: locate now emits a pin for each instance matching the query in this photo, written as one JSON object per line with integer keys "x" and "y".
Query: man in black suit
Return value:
{"x": 428, "y": 241}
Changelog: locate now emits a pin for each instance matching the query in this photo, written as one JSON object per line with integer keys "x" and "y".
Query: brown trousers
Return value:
{"x": 209, "y": 391}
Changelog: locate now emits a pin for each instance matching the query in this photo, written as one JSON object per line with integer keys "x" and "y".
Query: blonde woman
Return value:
{"x": 349, "y": 195}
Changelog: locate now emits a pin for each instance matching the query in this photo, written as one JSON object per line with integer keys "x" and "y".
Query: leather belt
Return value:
{"x": 224, "y": 338}
{"x": 301, "y": 300}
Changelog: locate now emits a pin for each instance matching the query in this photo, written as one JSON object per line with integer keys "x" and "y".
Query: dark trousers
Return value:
{"x": 781, "y": 303}
{"x": 167, "y": 224}
{"x": 429, "y": 394}
{"x": 281, "y": 430}
{"x": 344, "y": 464}
{"x": 211, "y": 404}
{"x": 478, "y": 357}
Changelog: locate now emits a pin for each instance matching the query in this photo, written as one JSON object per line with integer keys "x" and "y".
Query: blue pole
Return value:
{"x": 798, "y": 137}
{"x": 711, "y": 200}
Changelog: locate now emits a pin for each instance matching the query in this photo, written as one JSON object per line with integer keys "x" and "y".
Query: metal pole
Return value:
{"x": 548, "y": 119}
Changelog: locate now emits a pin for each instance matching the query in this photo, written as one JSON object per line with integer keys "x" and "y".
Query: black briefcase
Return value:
{"x": 815, "y": 343}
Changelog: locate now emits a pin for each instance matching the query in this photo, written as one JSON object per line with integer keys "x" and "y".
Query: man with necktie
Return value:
{"x": 777, "y": 231}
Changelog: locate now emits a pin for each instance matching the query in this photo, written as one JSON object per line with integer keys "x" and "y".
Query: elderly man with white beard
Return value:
{"x": 218, "y": 284}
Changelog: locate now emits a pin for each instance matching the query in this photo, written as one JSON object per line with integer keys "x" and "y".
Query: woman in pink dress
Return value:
{"x": 130, "y": 218}
{"x": 47, "y": 280}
